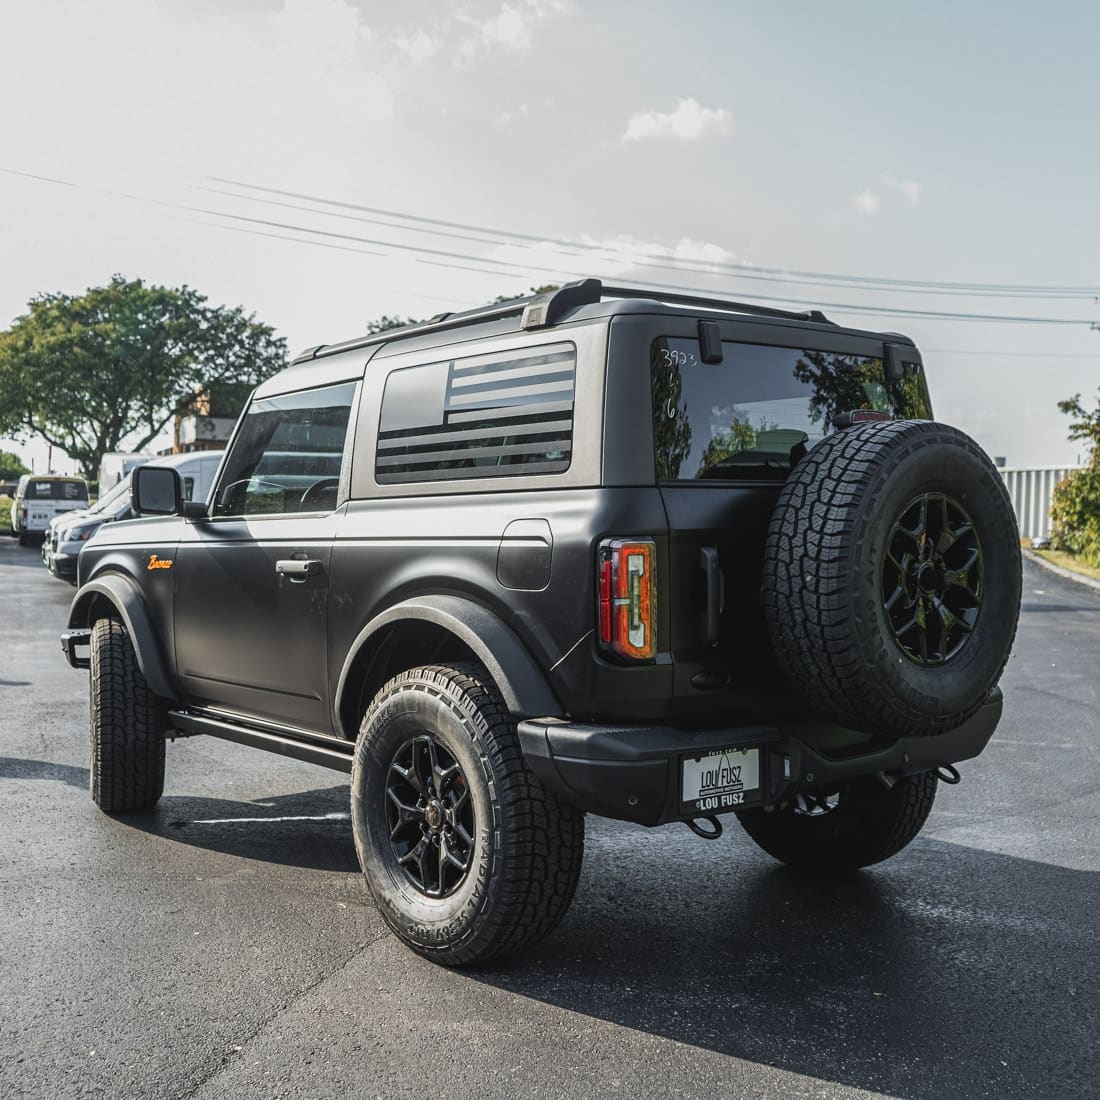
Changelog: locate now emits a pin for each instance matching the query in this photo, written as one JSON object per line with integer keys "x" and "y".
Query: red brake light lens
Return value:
{"x": 628, "y": 597}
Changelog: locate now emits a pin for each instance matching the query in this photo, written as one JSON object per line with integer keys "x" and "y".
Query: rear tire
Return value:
{"x": 438, "y": 772}
{"x": 128, "y": 724}
{"x": 864, "y": 824}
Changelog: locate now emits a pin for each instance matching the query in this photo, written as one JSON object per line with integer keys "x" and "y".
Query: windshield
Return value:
{"x": 757, "y": 412}
{"x": 107, "y": 502}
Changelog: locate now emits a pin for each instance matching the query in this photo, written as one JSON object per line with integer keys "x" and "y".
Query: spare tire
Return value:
{"x": 892, "y": 577}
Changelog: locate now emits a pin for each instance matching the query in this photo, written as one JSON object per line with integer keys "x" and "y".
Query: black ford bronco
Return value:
{"x": 643, "y": 555}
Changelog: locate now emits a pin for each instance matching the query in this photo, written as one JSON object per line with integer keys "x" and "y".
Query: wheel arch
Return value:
{"x": 434, "y": 629}
{"x": 112, "y": 595}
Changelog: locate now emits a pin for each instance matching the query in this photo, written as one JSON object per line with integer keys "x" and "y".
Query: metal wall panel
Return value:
{"x": 1031, "y": 490}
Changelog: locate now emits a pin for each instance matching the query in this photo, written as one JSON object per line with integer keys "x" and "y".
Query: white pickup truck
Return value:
{"x": 38, "y": 499}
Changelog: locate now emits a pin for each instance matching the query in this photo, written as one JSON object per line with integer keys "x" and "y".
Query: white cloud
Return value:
{"x": 909, "y": 189}
{"x": 867, "y": 202}
{"x": 417, "y": 47}
{"x": 606, "y": 256}
{"x": 511, "y": 27}
{"x": 505, "y": 117}
{"x": 689, "y": 120}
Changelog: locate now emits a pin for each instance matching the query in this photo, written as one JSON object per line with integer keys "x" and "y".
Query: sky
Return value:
{"x": 480, "y": 148}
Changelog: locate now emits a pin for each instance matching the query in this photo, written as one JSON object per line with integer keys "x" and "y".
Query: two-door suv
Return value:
{"x": 602, "y": 550}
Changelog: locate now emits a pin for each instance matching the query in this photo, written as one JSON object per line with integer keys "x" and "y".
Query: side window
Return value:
{"x": 287, "y": 454}
{"x": 495, "y": 415}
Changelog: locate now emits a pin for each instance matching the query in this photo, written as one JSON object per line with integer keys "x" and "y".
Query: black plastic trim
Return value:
{"x": 513, "y": 670}
{"x": 124, "y": 596}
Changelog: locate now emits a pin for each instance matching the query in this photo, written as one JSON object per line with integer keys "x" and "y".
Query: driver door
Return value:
{"x": 251, "y": 598}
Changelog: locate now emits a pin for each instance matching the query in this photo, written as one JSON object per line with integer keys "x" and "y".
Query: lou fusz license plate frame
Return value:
{"x": 720, "y": 781}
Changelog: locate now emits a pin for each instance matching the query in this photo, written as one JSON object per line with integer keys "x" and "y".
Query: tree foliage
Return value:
{"x": 1075, "y": 509}
{"x": 11, "y": 466}
{"x": 117, "y": 363}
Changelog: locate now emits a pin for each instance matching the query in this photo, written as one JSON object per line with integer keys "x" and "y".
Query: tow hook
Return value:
{"x": 948, "y": 773}
{"x": 713, "y": 833}
{"x": 887, "y": 781}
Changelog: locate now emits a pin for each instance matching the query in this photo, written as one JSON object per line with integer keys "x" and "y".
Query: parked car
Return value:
{"x": 115, "y": 465}
{"x": 648, "y": 556}
{"x": 1041, "y": 542}
{"x": 39, "y": 498}
{"x": 69, "y": 534}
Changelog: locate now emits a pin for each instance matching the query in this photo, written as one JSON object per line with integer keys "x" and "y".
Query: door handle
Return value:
{"x": 297, "y": 569}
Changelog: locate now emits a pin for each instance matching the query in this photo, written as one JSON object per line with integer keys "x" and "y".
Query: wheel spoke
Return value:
{"x": 409, "y": 775}
{"x": 443, "y": 776}
{"x": 446, "y": 853}
{"x": 932, "y": 578}
{"x": 430, "y": 815}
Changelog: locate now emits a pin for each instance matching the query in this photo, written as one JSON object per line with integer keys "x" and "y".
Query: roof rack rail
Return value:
{"x": 437, "y": 323}
{"x": 814, "y": 315}
{"x": 544, "y": 310}
{"x": 547, "y": 309}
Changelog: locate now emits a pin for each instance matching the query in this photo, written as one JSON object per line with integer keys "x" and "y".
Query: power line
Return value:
{"x": 499, "y": 266}
{"x": 740, "y": 270}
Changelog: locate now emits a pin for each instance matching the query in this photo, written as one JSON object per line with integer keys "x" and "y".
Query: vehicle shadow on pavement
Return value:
{"x": 309, "y": 829}
{"x": 950, "y": 972}
{"x": 25, "y": 555}
{"x": 13, "y": 767}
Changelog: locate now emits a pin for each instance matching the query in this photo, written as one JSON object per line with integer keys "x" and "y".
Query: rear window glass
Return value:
{"x": 53, "y": 489}
{"x": 758, "y": 411}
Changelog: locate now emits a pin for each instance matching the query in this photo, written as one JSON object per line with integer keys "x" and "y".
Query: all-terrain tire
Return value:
{"x": 864, "y": 824}
{"x": 830, "y": 577}
{"x": 527, "y": 845}
{"x": 128, "y": 724}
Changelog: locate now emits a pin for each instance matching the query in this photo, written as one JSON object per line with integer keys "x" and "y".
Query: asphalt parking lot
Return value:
{"x": 225, "y": 945}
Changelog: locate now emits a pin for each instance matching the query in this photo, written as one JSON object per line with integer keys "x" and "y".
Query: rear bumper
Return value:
{"x": 633, "y": 772}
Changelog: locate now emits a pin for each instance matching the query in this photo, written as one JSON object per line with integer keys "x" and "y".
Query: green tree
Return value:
{"x": 118, "y": 362}
{"x": 1075, "y": 508}
{"x": 11, "y": 466}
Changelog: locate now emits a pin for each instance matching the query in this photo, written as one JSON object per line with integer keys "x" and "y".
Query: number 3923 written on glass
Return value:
{"x": 673, "y": 358}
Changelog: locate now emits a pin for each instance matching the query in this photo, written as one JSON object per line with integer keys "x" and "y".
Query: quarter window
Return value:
{"x": 287, "y": 454}
{"x": 486, "y": 416}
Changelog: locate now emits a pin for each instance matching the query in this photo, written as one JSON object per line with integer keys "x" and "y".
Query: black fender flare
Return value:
{"x": 125, "y": 597}
{"x": 524, "y": 686}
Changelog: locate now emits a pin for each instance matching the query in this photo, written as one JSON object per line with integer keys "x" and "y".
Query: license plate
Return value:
{"x": 721, "y": 780}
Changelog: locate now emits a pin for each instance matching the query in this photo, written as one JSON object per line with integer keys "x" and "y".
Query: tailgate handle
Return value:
{"x": 297, "y": 569}
{"x": 715, "y": 592}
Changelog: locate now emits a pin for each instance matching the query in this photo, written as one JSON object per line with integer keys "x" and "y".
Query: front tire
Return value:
{"x": 835, "y": 832}
{"x": 128, "y": 724}
{"x": 467, "y": 855}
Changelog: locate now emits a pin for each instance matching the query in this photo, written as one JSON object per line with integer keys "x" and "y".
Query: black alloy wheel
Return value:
{"x": 932, "y": 578}
{"x": 431, "y": 816}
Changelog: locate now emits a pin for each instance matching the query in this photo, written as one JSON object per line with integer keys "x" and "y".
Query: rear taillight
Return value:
{"x": 628, "y": 597}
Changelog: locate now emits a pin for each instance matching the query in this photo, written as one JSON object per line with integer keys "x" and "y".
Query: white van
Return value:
{"x": 115, "y": 465}
{"x": 38, "y": 499}
{"x": 66, "y": 538}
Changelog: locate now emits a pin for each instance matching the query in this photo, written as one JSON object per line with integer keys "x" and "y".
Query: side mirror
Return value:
{"x": 157, "y": 491}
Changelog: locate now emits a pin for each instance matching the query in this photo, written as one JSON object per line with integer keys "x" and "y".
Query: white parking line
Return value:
{"x": 243, "y": 820}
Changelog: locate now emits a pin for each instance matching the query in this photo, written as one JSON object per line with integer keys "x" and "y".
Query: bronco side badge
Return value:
{"x": 159, "y": 563}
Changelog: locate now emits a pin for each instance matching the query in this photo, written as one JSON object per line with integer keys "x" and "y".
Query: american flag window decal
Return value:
{"x": 486, "y": 416}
